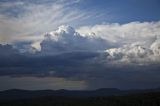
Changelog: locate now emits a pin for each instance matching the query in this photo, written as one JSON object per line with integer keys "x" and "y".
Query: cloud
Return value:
{"x": 122, "y": 56}
{"x": 66, "y": 39}
{"x": 143, "y": 33}
{"x": 125, "y": 76}
{"x": 134, "y": 42}
{"x": 155, "y": 47}
{"x": 137, "y": 46}
{"x": 7, "y": 50}
{"x": 93, "y": 68}
{"x": 129, "y": 53}
{"x": 134, "y": 53}
{"x": 25, "y": 47}
{"x": 28, "y": 21}
{"x": 105, "y": 55}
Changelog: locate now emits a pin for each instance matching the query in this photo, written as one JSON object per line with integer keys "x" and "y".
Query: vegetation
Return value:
{"x": 146, "y": 99}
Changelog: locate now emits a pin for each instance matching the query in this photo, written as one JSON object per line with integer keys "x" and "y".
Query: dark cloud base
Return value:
{"x": 88, "y": 66}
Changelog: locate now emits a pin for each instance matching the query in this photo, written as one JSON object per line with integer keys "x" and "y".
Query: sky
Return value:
{"x": 79, "y": 44}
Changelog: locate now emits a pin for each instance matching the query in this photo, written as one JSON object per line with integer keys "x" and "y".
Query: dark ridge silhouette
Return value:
{"x": 143, "y": 99}
{"x": 16, "y": 94}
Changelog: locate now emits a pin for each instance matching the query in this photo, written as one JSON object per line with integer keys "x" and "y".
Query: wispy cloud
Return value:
{"x": 143, "y": 33}
{"x": 28, "y": 21}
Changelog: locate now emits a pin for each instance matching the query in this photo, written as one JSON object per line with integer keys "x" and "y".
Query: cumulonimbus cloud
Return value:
{"x": 127, "y": 43}
{"x": 66, "y": 39}
{"x": 68, "y": 54}
{"x": 136, "y": 46}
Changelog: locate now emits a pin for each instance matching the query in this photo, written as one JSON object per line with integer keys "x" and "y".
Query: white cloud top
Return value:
{"x": 66, "y": 39}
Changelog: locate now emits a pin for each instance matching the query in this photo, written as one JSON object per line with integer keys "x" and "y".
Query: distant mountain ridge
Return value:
{"x": 15, "y": 94}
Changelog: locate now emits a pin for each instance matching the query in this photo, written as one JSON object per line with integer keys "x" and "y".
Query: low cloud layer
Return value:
{"x": 135, "y": 53}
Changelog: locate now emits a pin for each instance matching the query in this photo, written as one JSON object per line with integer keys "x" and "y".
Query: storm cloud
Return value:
{"x": 66, "y": 39}
{"x": 92, "y": 58}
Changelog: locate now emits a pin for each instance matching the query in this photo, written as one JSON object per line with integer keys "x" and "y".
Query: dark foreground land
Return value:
{"x": 144, "y": 99}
